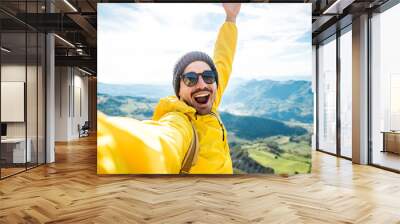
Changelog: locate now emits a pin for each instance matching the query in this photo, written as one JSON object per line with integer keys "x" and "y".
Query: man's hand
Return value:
{"x": 231, "y": 10}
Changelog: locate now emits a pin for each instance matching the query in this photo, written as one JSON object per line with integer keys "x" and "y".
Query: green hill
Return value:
{"x": 250, "y": 128}
{"x": 258, "y": 145}
{"x": 277, "y": 154}
{"x": 126, "y": 106}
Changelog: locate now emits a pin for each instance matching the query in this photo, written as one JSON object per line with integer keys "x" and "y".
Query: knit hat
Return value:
{"x": 184, "y": 61}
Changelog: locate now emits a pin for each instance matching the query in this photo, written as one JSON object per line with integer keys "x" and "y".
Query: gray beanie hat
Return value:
{"x": 184, "y": 61}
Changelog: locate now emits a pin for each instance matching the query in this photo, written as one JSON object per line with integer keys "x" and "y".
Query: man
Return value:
{"x": 186, "y": 134}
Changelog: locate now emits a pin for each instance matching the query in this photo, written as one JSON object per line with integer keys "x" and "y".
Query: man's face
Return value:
{"x": 202, "y": 95}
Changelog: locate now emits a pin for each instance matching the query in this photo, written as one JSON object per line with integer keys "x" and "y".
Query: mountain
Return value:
{"x": 126, "y": 106}
{"x": 136, "y": 90}
{"x": 251, "y": 128}
{"x": 280, "y": 100}
{"x": 245, "y": 127}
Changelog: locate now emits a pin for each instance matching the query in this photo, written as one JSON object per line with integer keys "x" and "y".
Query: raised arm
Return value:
{"x": 231, "y": 11}
{"x": 129, "y": 146}
{"x": 225, "y": 48}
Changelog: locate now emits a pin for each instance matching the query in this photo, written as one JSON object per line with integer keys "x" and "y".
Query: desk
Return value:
{"x": 391, "y": 141}
{"x": 17, "y": 151}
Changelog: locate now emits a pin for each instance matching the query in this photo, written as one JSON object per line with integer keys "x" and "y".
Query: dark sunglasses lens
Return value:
{"x": 190, "y": 79}
{"x": 209, "y": 77}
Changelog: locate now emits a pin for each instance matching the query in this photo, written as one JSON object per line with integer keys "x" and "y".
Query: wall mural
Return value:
{"x": 204, "y": 88}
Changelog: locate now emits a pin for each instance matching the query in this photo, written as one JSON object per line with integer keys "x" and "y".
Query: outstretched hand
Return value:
{"x": 231, "y": 10}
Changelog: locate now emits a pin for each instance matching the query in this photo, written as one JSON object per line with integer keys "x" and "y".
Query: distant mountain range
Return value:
{"x": 245, "y": 127}
{"x": 136, "y": 90}
{"x": 278, "y": 100}
{"x": 126, "y": 106}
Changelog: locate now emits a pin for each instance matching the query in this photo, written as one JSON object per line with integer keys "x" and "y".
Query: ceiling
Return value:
{"x": 329, "y": 16}
{"x": 73, "y": 21}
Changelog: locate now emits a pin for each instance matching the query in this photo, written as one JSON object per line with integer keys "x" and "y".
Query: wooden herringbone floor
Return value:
{"x": 69, "y": 191}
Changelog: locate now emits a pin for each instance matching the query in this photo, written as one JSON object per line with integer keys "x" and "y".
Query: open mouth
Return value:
{"x": 202, "y": 97}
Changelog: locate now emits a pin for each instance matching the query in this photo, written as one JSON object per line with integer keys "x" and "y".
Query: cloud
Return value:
{"x": 140, "y": 43}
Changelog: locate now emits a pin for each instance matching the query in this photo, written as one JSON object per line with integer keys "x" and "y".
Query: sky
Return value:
{"x": 139, "y": 43}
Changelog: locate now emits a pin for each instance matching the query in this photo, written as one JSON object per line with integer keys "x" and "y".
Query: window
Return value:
{"x": 327, "y": 96}
{"x": 385, "y": 89}
{"x": 346, "y": 94}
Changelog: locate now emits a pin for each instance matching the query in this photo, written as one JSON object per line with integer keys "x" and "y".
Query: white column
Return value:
{"x": 50, "y": 100}
{"x": 50, "y": 92}
{"x": 360, "y": 90}
{"x": 314, "y": 90}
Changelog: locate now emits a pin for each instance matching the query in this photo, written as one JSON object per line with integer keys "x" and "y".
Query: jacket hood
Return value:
{"x": 172, "y": 104}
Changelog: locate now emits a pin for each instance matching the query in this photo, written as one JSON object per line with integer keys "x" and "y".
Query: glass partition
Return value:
{"x": 22, "y": 91}
{"x": 13, "y": 94}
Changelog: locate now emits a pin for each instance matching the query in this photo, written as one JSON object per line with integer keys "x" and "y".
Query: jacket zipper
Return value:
{"x": 220, "y": 124}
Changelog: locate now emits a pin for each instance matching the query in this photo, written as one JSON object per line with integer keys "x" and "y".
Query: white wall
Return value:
{"x": 80, "y": 110}
{"x": 12, "y": 73}
{"x": 16, "y": 73}
{"x": 33, "y": 126}
{"x": 62, "y": 82}
{"x": 71, "y": 102}
{"x": 13, "y": 101}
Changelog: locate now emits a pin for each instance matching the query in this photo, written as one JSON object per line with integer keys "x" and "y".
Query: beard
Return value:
{"x": 202, "y": 100}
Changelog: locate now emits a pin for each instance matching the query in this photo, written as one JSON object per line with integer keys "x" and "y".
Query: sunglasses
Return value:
{"x": 191, "y": 78}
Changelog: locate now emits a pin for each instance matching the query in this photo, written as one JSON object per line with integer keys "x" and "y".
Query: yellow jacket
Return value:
{"x": 158, "y": 146}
